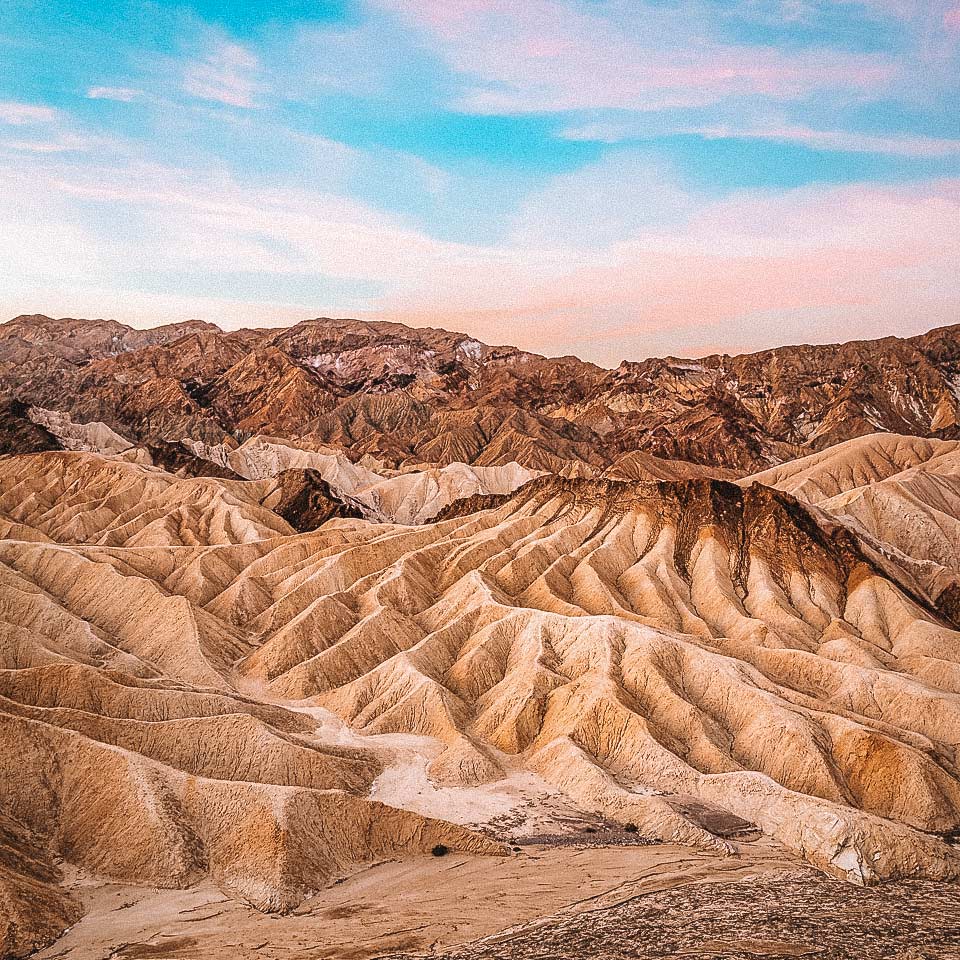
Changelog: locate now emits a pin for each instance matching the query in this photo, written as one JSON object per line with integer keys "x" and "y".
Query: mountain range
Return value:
{"x": 278, "y": 603}
{"x": 408, "y": 396}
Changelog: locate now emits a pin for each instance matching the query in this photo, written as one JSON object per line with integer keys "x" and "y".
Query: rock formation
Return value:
{"x": 421, "y": 396}
{"x": 275, "y": 603}
{"x": 175, "y": 656}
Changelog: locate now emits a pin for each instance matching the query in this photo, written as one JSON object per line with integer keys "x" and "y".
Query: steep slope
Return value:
{"x": 636, "y": 641}
{"x": 19, "y": 434}
{"x": 306, "y": 501}
{"x": 125, "y": 746}
{"x": 902, "y": 494}
{"x": 651, "y": 651}
{"x": 410, "y": 396}
{"x": 644, "y": 466}
{"x": 855, "y": 463}
{"x": 79, "y": 498}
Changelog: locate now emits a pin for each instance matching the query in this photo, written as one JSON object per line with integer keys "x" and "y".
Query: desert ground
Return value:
{"x": 258, "y": 698}
{"x": 550, "y": 901}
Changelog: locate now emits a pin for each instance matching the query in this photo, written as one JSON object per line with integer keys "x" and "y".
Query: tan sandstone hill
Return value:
{"x": 901, "y": 494}
{"x": 189, "y": 687}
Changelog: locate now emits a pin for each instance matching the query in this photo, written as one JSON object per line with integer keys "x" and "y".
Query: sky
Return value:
{"x": 608, "y": 178}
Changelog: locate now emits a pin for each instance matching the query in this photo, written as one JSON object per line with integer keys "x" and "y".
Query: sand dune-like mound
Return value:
{"x": 412, "y": 496}
{"x": 79, "y": 498}
{"x": 637, "y": 465}
{"x": 190, "y": 687}
{"x": 128, "y": 752}
{"x": 856, "y": 463}
{"x": 686, "y": 639}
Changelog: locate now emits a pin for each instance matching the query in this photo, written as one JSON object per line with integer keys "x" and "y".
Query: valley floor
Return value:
{"x": 543, "y": 902}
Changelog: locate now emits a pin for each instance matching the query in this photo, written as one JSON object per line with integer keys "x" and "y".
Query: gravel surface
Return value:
{"x": 809, "y": 916}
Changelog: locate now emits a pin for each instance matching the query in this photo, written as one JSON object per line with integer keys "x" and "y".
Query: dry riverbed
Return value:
{"x": 542, "y": 902}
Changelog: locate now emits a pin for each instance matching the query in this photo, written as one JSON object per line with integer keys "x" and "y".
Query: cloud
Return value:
{"x": 951, "y": 19}
{"x": 120, "y": 94}
{"x": 843, "y": 141}
{"x": 923, "y": 12}
{"x": 25, "y": 114}
{"x": 39, "y": 129}
{"x": 146, "y": 219}
{"x": 621, "y": 195}
{"x": 747, "y": 273}
{"x": 683, "y": 274}
{"x": 226, "y": 75}
{"x": 545, "y": 55}
{"x": 62, "y": 143}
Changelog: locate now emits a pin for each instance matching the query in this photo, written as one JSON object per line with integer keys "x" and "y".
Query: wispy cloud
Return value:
{"x": 39, "y": 129}
{"x": 25, "y": 114}
{"x": 545, "y": 55}
{"x": 227, "y": 75}
{"x": 843, "y": 141}
{"x": 61, "y": 143}
{"x": 694, "y": 271}
{"x": 873, "y": 258}
{"x": 120, "y": 94}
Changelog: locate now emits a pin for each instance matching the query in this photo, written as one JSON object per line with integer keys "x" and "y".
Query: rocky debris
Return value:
{"x": 755, "y": 919}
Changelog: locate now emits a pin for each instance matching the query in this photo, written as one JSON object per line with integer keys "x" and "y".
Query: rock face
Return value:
{"x": 190, "y": 687}
{"x": 277, "y": 602}
{"x": 19, "y": 434}
{"x": 305, "y": 500}
{"x": 422, "y": 396}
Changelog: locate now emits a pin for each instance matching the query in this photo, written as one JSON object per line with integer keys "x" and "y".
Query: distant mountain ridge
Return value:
{"x": 428, "y": 396}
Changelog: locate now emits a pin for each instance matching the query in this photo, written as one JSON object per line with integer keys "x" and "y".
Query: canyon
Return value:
{"x": 287, "y": 612}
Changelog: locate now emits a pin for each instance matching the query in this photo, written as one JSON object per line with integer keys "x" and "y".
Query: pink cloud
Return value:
{"x": 951, "y": 20}
{"x": 547, "y": 55}
{"x": 845, "y": 141}
{"x": 225, "y": 76}
{"x": 745, "y": 272}
{"x": 748, "y": 272}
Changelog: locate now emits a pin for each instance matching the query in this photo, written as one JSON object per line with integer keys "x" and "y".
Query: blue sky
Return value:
{"x": 608, "y": 178}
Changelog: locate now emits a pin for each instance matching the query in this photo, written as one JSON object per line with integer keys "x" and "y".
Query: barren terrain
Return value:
{"x": 630, "y": 708}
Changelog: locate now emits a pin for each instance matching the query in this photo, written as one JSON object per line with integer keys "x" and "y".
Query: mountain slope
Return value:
{"x": 406, "y": 589}
{"x": 188, "y": 687}
{"x": 407, "y": 396}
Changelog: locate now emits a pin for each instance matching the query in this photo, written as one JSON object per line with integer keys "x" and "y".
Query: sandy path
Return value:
{"x": 411, "y": 905}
